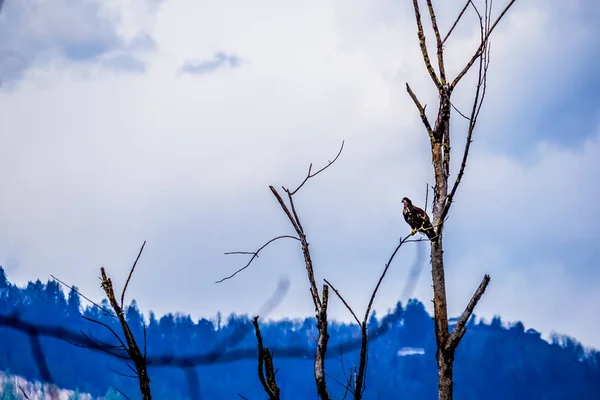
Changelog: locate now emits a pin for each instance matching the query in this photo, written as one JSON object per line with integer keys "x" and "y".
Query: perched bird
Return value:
{"x": 417, "y": 219}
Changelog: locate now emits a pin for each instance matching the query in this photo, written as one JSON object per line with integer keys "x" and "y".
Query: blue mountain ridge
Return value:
{"x": 493, "y": 361}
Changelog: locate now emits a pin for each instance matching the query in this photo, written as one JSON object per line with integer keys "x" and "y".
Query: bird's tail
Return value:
{"x": 428, "y": 230}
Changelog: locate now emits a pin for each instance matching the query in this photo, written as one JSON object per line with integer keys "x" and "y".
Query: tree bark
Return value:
{"x": 439, "y": 148}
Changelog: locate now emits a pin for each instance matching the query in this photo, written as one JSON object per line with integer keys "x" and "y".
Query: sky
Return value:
{"x": 167, "y": 120}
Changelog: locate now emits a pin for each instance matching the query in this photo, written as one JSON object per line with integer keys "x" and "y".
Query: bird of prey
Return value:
{"x": 417, "y": 219}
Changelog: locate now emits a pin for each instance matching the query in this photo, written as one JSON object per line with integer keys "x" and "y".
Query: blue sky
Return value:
{"x": 104, "y": 143}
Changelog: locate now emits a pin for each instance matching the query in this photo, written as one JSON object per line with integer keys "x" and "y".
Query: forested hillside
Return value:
{"x": 492, "y": 362}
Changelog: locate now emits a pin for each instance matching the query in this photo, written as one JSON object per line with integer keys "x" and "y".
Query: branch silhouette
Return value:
{"x": 220, "y": 353}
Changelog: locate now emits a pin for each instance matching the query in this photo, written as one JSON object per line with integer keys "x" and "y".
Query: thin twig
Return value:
{"x": 122, "y": 374}
{"x": 21, "y": 387}
{"x": 479, "y": 97}
{"x": 387, "y": 266}
{"x": 131, "y": 273}
{"x": 456, "y": 21}
{"x": 439, "y": 44}
{"x": 343, "y": 301}
{"x": 423, "y": 46}
{"x": 111, "y": 330}
{"x": 95, "y": 344}
{"x": 421, "y": 110}
{"x": 308, "y": 176}
{"x": 122, "y": 394}
{"x": 107, "y": 312}
{"x": 254, "y": 255}
{"x": 459, "y": 112}
{"x": 480, "y": 48}
{"x": 360, "y": 377}
{"x": 346, "y": 387}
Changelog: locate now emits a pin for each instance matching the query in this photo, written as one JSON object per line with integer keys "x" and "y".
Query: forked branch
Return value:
{"x": 254, "y": 255}
{"x": 312, "y": 175}
{"x": 265, "y": 365}
{"x": 319, "y": 302}
{"x": 131, "y": 347}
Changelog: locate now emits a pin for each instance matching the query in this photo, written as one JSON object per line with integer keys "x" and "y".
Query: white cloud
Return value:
{"x": 93, "y": 162}
{"x": 37, "y": 32}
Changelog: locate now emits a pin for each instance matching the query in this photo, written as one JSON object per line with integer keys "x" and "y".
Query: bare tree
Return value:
{"x": 129, "y": 346}
{"x": 447, "y": 342}
{"x": 320, "y": 299}
{"x": 439, "y": 136}
{"x": 223, "y": 351}
{"x": 355, "y": 385}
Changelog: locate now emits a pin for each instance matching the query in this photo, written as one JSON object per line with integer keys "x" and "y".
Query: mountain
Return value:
{"x": 493, "y": 361}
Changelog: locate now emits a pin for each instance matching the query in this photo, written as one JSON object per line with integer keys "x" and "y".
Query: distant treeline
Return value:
{"x": 492, "y": 361}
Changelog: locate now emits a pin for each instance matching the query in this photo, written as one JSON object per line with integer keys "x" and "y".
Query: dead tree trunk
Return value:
{"x": 320, "y": 301}
{"x": 439, "y": 136}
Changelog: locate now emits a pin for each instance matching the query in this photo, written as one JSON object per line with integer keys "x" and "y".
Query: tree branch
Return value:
{"x": 459, "y": 330}
{"x": 305, "y": 251}
{"x": 131, "y": 273}
{"x": 264, "y": 357}
{"x": 343, "y": 301}
{"x": 322, "y": 347}
{"x": 479, "y": 97}
{"x": 320, "y": 305}
{"x": 421, "y": 111}
{"x": 20, "y": 387}
{"x": 122, "y": 394}
{"x": 481, "y": 46}
{"x": 132, "y": 348}
{"x": 111, "y": 330}
{"x": 456, "y": 21}
{"x": 440, "y": 141}
{"x": 423, "y": 45}
{"x": 105, "y": 311}
{"x": 439, "y": 43}
{"x": 254, "y": 255}
{"x": 360, "y": 376}
{"x": 309, "y": 175}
